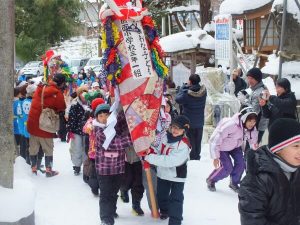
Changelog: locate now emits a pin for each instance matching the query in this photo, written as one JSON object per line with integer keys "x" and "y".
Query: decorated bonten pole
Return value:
{"x": 133, "y": 62}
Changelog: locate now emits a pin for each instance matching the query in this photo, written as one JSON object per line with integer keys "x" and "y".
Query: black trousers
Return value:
{"x": 170, "y": 199}
{"x": 24, "y": 148}
{"x": 93, "y": 180}
{"x": 195, "y": 138}
{"x": 109, "y": 187}
{"x": 133, "y": 179}
{"x": 62, "y": 133}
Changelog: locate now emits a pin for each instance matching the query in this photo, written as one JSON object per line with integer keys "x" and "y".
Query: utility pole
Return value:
{"x": 7, "y": 39}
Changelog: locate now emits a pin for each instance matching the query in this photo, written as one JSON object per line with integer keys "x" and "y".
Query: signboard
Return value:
{"x": 137, "y": 49}
{"x": 223, "y": 37}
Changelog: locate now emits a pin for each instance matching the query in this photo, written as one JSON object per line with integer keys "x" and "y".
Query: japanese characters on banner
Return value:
{"x": 137, "y": 49}
{"x": 223, "y": 37}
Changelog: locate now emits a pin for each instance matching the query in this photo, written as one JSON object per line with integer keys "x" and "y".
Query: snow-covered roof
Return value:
{"x": 290, "y": 70}
{"x": 184, "y": 8}
{"x": 291, "y": 8}
{"x": 187, "y": 40}
{"x": 240, "y": 6}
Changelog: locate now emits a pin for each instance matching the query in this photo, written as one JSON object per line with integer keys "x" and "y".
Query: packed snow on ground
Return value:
{"x": 66, "y": 199}
{"x": 291, "y": 8}
{"x": 240, "y": 6}
{"x": 18, "y": 203}
{"x": 187, "y": 40}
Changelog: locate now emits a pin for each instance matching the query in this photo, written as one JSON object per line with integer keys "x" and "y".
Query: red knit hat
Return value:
{"x": 96, "y": 102}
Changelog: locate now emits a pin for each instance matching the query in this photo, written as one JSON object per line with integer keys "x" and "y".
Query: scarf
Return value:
{"x": 172, "y": 139}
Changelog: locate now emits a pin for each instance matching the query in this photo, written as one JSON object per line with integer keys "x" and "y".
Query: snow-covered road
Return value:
{"x": 67, "y": 200}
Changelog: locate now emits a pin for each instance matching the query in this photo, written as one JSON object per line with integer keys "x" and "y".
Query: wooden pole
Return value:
{"x": 282, "y": 37}
{"x": 155, "y": 213}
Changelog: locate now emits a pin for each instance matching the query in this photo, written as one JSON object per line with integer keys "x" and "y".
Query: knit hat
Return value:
{"x": 96, "y": 102}
{"x": 95, "y": 84}
{"x": 255, "y": 73}
{"x": 30, "y": 89}
{"x": 102, "y": 108}
{"x": 246, "y": 112}
{"x": 182, "y": 122}
{"x": 282, "y": 133}
{"x": 59, "y": 79}
{"x": 284, "y": 83}
{"x": 81, "y": 89}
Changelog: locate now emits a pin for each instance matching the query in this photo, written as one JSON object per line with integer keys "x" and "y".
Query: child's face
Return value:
{"x": 250, "y": 124}
{"x": 291, "y": 154}
{"x": 176, "y": 131}
{"x": 102, "y": 117}
{"x": 167, "y": 108}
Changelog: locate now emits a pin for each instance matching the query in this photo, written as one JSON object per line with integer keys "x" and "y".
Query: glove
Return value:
{"x": 146, "y": 165}
{"x": 70, "y": 136}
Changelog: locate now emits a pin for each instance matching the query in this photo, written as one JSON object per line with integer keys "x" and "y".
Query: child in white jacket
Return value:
{"x": 171, "y": 161}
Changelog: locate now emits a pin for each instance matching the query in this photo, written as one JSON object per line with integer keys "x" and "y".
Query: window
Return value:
{"x": 250, "y": 33}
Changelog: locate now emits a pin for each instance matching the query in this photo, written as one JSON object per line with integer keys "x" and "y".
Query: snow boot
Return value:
{"x": 124, "y": 196}
{"x": 211, "y": 185}
{"x": 33, "y": 160}
{"x": 163, "y": 215}
{"x": 76, "y": 170}
{"x": 48, "y": 163}
{"x": 116, "y": 215}
{"x": 136, "y": 208}
{"x": 234, "y": 187}
{"x": 95, "y": 192}
{"x": 39, "y": 162}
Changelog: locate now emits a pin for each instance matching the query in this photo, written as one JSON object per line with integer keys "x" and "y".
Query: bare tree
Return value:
{"x": 205, "y": 12}
{"x": 7, "y": 38}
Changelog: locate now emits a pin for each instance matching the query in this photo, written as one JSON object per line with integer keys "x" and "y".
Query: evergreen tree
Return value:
{"x": 41, "y": 24}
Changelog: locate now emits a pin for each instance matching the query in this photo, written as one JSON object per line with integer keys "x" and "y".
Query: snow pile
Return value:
{"x": 19, "y": 202}
{"x": 188, "y": 8}
{"x": 187, "y": 40}
{"x": 290, "y": 70}
{"x": 210, "y": 27}
{"x": 240, "y": 6}
{"x": 292, "y": 8}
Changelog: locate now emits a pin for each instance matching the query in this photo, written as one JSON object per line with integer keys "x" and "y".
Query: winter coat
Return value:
{"x": 77, "y": 117}
{"x": 240, "y": 84}
{"x": 230, "y": 134}
{"x": 88, "y": 129}
{"x": 53, "y": 99}
{"x": 16, "y": 110}
{"x": 25, "y": 112}
{"x": 111, "y": 161}
{"x": 193, "y": 99}
{"x": 266, "y": 196}
{"x": 283, "y": 106}
{"x": 20, "y": 116}
{"x": 171, "y": 160}
{"x": 253, "y": 100}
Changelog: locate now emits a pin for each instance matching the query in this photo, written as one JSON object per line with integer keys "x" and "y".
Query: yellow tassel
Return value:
{"x": 103, "y": 41}
{"x": 109, "y": 76}
{"x": 115, "y": 32}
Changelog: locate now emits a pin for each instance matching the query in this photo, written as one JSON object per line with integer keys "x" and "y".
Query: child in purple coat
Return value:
{"x": 226, "y": 143}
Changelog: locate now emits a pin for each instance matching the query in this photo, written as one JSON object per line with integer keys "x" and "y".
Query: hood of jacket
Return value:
{"x": 262, "y": 160}
{"x": 197, "y": 91}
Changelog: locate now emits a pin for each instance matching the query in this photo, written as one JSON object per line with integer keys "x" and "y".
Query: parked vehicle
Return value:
{"x": 33, "y": 69}
{"x": 92, "y": 63}
{"x": 77, "y": 64}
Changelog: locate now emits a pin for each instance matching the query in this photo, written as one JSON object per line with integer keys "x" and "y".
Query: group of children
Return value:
{"x": 269, "y": 193}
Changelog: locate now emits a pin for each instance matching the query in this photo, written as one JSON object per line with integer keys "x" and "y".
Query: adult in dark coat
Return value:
{"x": 192, "y": 98}
{"x": 281, "y": 106}
{"x": 239, "y": 82}
{"x": 270, "y": 192}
